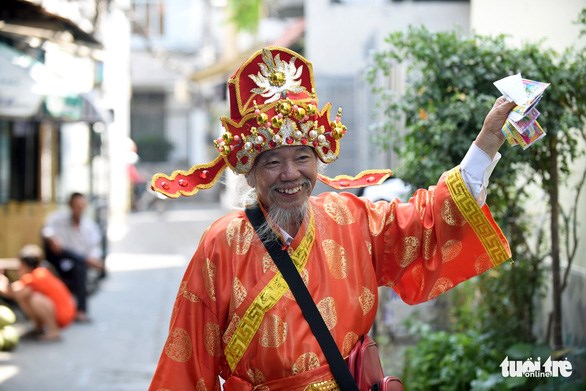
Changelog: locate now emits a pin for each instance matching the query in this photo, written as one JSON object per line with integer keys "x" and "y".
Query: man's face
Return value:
{"x": 77, "y": 205}
{"x": 284, "y": 177}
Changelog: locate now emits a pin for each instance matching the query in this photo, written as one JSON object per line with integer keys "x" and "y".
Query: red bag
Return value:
{"x": 388, "y": 383}
{"x": 364, "y": 364}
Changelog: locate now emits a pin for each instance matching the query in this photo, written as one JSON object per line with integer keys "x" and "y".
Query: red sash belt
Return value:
{"x": 316, "y": 379}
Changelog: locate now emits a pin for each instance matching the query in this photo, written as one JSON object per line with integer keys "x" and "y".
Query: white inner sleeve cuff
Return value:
{"x": 476, "y": 168}
{"x": 286, "y": 237}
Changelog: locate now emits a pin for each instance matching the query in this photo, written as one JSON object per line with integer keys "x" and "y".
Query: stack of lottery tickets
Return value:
{"x": 522, "y": 127}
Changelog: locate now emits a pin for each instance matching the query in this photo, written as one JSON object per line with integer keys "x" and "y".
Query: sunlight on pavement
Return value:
{"x": 117, "y": 231}
{"x": 7, "y": 372}
{"x": 130, "y": 261}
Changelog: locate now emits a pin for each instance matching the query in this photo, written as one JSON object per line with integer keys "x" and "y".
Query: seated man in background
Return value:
{"x": 42, "y": 296}
{"x": 72, "y": 244}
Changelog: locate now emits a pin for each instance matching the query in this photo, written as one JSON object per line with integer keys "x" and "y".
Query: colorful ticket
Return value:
{"x": 521, "y": 127}
{"x": 526, "y": 121}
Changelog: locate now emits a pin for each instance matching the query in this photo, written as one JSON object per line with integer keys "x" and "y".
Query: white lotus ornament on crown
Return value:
{"x": 276, "y": 77}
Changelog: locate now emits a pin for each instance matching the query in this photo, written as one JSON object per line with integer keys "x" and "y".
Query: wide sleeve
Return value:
{"x": 190, "y": 359}
{"x": 436, "y": 240}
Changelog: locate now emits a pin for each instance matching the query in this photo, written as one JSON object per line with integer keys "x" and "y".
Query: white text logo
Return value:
{"x": 534, "y": 368}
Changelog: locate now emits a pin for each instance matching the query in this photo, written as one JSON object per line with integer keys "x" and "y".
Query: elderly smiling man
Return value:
{"x": 234, "y": 317}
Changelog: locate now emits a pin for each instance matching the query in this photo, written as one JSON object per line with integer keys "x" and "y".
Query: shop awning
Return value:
{"x": 28, "y": 88}
{"x": 24, "y": 18}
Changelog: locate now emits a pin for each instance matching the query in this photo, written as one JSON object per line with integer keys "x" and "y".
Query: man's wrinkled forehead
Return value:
{"x": 267, "y": 155}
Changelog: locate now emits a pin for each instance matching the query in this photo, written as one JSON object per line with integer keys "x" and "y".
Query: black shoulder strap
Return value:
{"x": 303, "y": 297}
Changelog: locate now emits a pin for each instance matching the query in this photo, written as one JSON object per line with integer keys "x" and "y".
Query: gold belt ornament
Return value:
{"x": 265, "y": 300}
{"x": 326, "y": 385}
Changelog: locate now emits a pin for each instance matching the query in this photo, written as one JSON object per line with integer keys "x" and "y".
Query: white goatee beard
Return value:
{"x": 283, "y": 217}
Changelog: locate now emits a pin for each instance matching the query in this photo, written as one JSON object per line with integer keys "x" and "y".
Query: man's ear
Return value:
{"x": 250, "y": 179}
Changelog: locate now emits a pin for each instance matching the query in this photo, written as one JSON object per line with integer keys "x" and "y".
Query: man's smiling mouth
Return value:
{"x": 290, "y": 191}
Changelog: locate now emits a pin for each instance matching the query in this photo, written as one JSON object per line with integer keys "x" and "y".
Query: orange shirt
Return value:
{"x": 225, "y": 322}
{"x": 43, "y": 281}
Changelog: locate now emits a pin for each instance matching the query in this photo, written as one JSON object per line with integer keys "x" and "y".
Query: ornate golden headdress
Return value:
{"x": 272, "y": 104}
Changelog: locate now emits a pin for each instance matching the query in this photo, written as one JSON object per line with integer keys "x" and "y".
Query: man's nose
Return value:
{"x": 290, "y": 171}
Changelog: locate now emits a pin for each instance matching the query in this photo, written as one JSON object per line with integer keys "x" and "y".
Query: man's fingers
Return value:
{"x": 500, "y": 100}
{"x": 503, "y": 105}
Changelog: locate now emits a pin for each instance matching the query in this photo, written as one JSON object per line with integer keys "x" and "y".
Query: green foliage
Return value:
{"x": 511, "y": 293}
{"x": 500, "y": 303}
{"x": 449, "y": 92}
{"x": 447, "y": 362}
{"x": 467, "y": 360}
{"x": 494, "y": 381}
{"x": 582, "y": 21}
{"x": 245, "y": 14}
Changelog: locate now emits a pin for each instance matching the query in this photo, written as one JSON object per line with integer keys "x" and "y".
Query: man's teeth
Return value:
{"x": 290, "y": 191}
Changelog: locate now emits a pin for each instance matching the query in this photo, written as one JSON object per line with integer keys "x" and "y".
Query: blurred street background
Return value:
{"x": 98, "y": 95}
{"x": 130, "y": 311}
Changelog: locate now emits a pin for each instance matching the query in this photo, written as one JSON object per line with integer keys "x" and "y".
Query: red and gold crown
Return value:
{"x": 272, "y": 104}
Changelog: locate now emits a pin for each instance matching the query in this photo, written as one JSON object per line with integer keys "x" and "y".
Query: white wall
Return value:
{"x": 529, "y": 20}
{"x": 74, "y": 154}
{"x": 115, "y": 32}
{"x": 338, "y": 36}
{"x": 183, "y": 24}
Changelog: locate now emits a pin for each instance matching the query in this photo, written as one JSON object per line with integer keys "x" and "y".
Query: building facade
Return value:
{"x": 57, "y": 128}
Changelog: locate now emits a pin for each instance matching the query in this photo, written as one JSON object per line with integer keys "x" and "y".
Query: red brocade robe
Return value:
{"x": 233, "y": 317}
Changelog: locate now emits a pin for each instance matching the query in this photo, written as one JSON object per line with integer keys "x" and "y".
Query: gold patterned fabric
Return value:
{"x": 325, "y": 385}
{"x": 266, "y": 299}
{"x": 419, "y": 248}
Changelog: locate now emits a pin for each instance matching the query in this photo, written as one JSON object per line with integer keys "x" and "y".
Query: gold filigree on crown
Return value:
{"x": 287, "y": 116}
